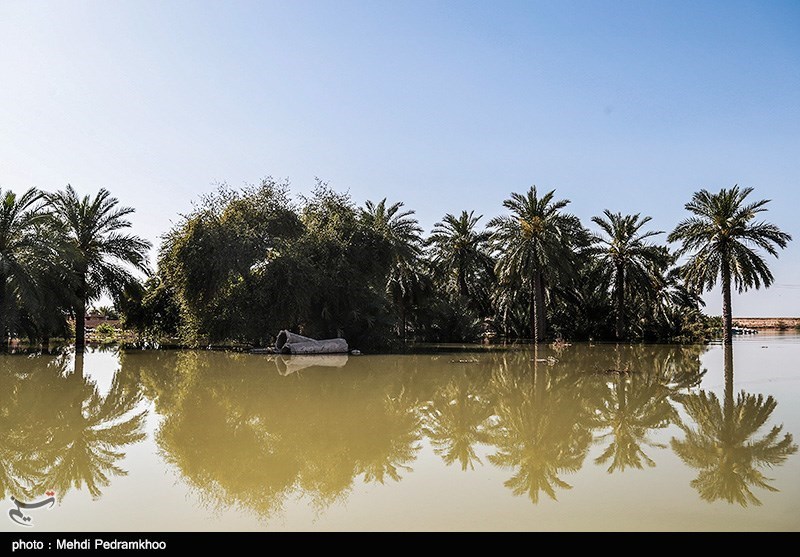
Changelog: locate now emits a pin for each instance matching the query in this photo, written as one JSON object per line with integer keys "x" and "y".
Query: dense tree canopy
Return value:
{"x": 246, "y": 263}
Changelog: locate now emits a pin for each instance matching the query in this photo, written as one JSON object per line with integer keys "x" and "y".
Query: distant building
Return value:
{"x": 95, "y": 319}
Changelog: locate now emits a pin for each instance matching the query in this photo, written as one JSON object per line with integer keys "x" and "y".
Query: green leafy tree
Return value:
{"x": 101, "y": 256}
{"x": 347, "y": 263}
{"x": 216, "y": 264}
{"x": 721, "y": 240}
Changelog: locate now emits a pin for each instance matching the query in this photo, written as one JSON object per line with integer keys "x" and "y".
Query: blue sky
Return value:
{"x": 446, "y": 106}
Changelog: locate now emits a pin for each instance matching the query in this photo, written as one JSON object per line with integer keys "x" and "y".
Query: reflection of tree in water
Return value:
{"x": 26, "y": 418}
{"x": 724, "y": 446}
{"x": 634, "y": 399}
{"x": 538, "y": 431}
{"x": 85, "y": 446}
{"x": 456, "y": 419}
{"x": 57, "y": 431}
{"x": 247, "y": 437}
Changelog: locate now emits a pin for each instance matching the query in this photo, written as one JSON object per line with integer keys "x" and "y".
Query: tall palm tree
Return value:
{"x": 460, "y": 250}
{"x": 535, "y": 241}
{"x": 627, "y": 257}
{"x": 100, "y": 252}
{"x": 22, "y": 255}
{"x": 720, "y": 238}
{"x": 406, "y": 282}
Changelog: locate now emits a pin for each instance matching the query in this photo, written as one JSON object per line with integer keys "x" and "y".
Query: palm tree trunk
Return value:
{"x": 80, "y": 326}
{"x": 541, "y": 316}
{"x": 727, "y": 313}
{"x": 532, "y": 312}
{"x": 462, "y": 282}
{"x": 3, "y": 323}
{"x": 505, "y": 324}
{"x": 619, "y": 291}
{"x": 537, "y": 308}
{"x": 403, "y": 322}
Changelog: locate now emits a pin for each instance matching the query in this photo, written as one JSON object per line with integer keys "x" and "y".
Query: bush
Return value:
{"x": 105, "y": 333}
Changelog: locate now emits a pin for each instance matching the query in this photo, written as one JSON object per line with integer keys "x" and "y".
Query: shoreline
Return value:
{"x": 761, "y": 323}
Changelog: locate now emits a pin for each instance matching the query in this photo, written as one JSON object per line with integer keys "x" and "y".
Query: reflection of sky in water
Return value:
{"x": 764, "y": 362}
{"x": 157, "y": 494}
{"x": 100, "y": 366}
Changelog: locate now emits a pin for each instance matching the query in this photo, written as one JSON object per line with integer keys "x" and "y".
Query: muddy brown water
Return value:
{"x": 584, "y": 438}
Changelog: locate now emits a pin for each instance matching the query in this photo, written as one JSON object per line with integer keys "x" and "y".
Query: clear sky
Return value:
{"x": 446, "y": 106}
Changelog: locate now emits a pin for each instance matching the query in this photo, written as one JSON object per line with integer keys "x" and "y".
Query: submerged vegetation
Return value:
{"x": 246, "y": 263}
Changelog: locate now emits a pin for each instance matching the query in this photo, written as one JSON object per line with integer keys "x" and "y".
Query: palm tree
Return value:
{"x": 406, "y": 282}
{"x": 460, "y": 251}
{"x": 100, "y": 252}
{"x": 399, "y": 228}
{"x": 22, "y": 254}
{"x": 720, "y": 239}
{"x": 628, "y": 258}
{"x": 536, "y": 240}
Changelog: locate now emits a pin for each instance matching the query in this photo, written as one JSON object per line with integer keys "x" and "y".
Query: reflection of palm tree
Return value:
{"x": 457, "y": 421}
{"x": 29, "y": 391}
{"x": 721, "y": 446}
{"x": 85, "y": 445}
{"x": 398, "y": 441}
{"x": 633, "y": 403}
{"x": 20, "y": 467}
{"x": 631, "y": 407}
{"x": 539, "y": 432}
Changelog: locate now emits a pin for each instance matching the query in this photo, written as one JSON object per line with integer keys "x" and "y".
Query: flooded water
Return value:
{"x": 586, "y": 438}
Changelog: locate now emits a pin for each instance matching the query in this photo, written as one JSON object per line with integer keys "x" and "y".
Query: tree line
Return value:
{"x": 246, "y": 263}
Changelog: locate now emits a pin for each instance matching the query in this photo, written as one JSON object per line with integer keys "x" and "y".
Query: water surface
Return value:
{"x": 584, "y": 438}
